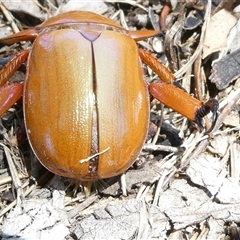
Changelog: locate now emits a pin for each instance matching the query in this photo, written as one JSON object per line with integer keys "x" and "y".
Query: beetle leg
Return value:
{"x": 142, "y": 34}
{"x": 25, "y": 35}
{"x": 177, "y": 98}
{"x": 162, "y": 71}
{"x": 9, "y": 94}
{"x": 180, "y": 101}
{"x": 11, "y": 67}
{"x": 211, "y": 105}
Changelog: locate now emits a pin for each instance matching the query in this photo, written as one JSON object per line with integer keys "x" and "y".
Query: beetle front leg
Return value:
{"x": 25, "y": 35}
{"x": 176, "y": 98}
{"x": 180, "y": 101}
{"x": 11, "y": 67}
{"x": 211, "y": 105}
{"x": 161, "y": 70}
{"x": 10, "y": 93}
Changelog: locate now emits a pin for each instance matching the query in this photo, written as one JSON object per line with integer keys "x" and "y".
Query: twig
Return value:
{"x": 9, "y": 18}
{"x": 8, "y": 179}
{"x": 152, "y": 147}
{"x": 159, "y": 126}
{"x": 123, "y": 184}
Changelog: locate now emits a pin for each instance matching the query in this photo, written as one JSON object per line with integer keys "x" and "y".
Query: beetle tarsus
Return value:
{"x": 211, "y": 105}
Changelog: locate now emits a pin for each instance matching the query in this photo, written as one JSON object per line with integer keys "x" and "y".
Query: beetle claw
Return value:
{"x": 211, "y": 105}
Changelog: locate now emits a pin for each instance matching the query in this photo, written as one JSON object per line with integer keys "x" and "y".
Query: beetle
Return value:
{"x": 85, "y": 102}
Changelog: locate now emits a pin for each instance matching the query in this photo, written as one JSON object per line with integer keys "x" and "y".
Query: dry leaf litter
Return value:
{"x": 185, "y": 184}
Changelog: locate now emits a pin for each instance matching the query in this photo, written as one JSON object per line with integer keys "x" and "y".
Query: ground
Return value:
{"x": 185, "y": 183}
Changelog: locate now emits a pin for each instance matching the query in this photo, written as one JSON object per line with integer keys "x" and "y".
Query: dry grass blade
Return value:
{"x": 153, "y": 147}
{"x": 16, "y": 181}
